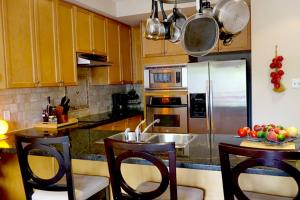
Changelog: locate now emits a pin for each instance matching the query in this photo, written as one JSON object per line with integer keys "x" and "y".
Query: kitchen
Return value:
{"x": 271, "y": 24}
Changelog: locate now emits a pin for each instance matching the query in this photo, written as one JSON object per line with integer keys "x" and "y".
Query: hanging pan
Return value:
{"x": 232, "y": 17}
{"x": 200, "y": 32}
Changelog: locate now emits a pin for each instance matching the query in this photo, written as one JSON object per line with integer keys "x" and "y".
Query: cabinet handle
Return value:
{"x": 36, "y": 83}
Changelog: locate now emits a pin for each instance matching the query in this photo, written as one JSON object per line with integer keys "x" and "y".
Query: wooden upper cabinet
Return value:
{"x": 125, "y": 53}
{"x": 46, "y": 42}
{"x": 83, "y": 30}
{"x": 241, "y": 42}
{"x": 113, "y": 52}
{"x": 99, "y": 34}
{"x": 2, "y": 58}
{"x": 19, "y": 44}
{"x": 66, "y": 44}
{"x": 173, "y": 48}
{"x": 151, "y": 47}
{"x": 138, "y": 69}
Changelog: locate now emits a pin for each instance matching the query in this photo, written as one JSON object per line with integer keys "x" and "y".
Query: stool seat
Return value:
{"x": 261, "y": 196}
{"x": 184, "y": 192}
{"x": 85, "y": 187}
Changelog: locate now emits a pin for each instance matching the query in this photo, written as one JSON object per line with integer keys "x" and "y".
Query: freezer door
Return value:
{"x": 228, "y": 96}
{"x": 198, "y": 96}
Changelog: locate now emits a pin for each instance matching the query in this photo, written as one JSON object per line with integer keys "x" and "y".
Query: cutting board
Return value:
{"x": 49, "y": 125}
{"x": 285, "y": 146}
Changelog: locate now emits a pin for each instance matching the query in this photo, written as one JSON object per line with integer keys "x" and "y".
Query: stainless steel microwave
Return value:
{"x": 165, "y": 77}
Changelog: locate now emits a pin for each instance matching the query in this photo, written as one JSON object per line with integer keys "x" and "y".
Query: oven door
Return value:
{"x": 173, "y": 119}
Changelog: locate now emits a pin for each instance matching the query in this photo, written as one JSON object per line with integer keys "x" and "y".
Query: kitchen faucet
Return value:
{"x": 127, "y": 130}
{"x": 138, "y": 130}
{"x": 151, "y": 124}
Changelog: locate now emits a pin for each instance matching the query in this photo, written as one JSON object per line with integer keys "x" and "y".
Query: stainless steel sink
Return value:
{"x": 181, "y": 140}
{"x": 131, "y": 137}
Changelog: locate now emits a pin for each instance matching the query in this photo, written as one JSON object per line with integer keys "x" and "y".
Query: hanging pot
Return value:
{"x": 153, "y": 23}
{"x": 232, "y": 17}
{"x": 200, "y": 32}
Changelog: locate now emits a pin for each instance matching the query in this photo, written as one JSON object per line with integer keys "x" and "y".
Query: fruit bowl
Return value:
{"x": 269, "y": 134}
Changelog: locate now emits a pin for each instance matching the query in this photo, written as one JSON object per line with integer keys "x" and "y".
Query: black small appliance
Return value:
{"x": 120, "y": 104}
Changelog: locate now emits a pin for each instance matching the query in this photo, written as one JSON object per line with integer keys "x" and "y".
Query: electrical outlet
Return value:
{"x": 6, "y": 115}
{"x": 295, "y": 83}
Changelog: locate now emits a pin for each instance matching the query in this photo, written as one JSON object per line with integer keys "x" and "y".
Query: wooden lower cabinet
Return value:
{"x": 121, "y": 125}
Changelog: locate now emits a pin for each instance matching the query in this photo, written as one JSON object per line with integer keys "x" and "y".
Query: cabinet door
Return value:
{"x": 241, "y": 42}
{"x": 173, "y": 49}
{"x": 151, "y": 47}
{"x": 67, "y": 57}
{"x": 83, "y": 30}
{"x": 133, "y": 122}
{"x": 113, "y": 52}
{"x": 99, "y": 34}
{"x": 2, "y": 59}
{"x": 46, "y": 42}
{"x": 19, "y": 44}
{"x": 125, "y": 53}
{"x": 137, "y": 67}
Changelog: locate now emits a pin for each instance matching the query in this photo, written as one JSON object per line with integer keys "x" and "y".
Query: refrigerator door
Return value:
{"x": 228, "y": 96}
{"x": 198, "y": 96}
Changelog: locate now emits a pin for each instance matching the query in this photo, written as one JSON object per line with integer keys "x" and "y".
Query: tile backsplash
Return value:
{"x": 26, "y": 105}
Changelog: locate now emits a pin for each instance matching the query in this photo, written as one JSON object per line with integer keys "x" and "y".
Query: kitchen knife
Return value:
{"x": 63, "y": 100}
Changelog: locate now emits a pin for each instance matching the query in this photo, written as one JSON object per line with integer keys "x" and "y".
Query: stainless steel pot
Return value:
{"x": 232, "y": 17}
{"x": 153, "y": 23}
{"x": 200, "y": 32}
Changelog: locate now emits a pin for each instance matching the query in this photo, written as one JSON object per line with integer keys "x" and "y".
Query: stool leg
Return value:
{"x": 107, "y": 193}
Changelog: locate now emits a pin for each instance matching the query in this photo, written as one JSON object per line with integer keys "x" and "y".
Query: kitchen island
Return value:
{"x": 198, "y": 165}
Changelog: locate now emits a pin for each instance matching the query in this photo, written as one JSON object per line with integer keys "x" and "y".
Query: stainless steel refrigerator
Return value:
{"x": 217, "y": 92}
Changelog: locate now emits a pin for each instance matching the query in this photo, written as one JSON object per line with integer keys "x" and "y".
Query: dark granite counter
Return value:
{"x": 201, "y": 153}
{"x": 95, "y": 120}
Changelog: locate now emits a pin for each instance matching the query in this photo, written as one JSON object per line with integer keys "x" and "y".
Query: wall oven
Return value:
{"x": 165, "y": 77}
{"x": 171, "y": 110}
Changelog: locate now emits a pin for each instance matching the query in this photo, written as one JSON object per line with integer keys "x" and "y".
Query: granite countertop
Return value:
{"x": 201, "y": 153}
{"x": 95, "y": 120}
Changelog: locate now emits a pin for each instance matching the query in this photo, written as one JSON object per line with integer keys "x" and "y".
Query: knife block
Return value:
{"x": 61, "y": 118}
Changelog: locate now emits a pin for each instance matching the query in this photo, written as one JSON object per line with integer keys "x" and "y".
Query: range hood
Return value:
{"x": 92, "y": 60}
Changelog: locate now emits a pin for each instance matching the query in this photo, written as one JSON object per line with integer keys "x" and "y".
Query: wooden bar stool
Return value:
{"x": 63, "y": 185}
{"x": 256, "y": 157}
{"x": 166, "y": 189}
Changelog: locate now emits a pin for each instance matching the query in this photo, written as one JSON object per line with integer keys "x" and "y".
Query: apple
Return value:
{"x": 277, "y": 130}
{"x": 247, "y": 129}
{"x": 293, "y": 131}
{"x": 242, "y": 132}
{"x": 257, "y": 127}
{"x": 284, "y": 132}
{"x": 272, "y": 136}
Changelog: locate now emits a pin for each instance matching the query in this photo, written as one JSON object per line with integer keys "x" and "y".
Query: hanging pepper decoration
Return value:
{"x": 277, "y": 72}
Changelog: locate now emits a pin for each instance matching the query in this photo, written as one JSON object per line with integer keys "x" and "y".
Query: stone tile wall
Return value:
{"x": 26, "y": 105}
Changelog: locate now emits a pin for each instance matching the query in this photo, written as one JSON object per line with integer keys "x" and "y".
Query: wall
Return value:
{"x": 26, "y": 105}
{"x": 273, "y": 23}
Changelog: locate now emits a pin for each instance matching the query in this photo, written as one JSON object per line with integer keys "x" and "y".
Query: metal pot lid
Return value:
{"x": 233, "y": 16}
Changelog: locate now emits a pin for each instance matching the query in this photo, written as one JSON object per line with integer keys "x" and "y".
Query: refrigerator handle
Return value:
{"x": 211, "y": 105}
{"x": 207, "y": 99}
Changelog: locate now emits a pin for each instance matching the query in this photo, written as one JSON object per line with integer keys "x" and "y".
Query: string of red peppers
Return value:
{"x": 277, "y": 72}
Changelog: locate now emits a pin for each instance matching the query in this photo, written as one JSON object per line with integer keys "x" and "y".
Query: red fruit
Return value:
{"x": 247, "y": 129}
{"x": 253, "y": 134}
{"x": 277, "y": 130}
{"x": 264, "y": 128}
{"x": 277, "y": 76}
{"x": 280, "y": 58}
{"x": 277, "y": 85}
{"x": 280, "y": 72}
{"x": 272, "y": 136}
{"x": 278, "y": 65}
{"x": 272, "y": 65}
{"x": 273, "y": 74}
{"x": 242, "y": 132}
{"x": 257, "y": 127}
{"x": 274, "y": 60}
{"x": 274, "y": 80}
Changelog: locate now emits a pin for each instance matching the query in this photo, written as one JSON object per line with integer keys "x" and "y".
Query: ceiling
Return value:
{"x": 130, "y": 12}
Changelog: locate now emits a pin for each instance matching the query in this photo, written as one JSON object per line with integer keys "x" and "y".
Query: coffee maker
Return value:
{"x": 120, "y": 104}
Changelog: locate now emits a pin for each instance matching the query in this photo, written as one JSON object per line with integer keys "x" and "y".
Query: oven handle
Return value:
{"x": 167, "y": 106}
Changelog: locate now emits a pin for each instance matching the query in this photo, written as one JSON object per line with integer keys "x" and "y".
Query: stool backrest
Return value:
{"x": 256, "y": 157}
{"x": 31, "y": 181}
{"x": 118, "y": 151}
